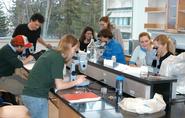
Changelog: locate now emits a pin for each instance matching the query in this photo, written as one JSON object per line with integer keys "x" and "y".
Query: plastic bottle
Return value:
{"x": 119, "y": 90}
{"x": 119, "y": 85}
{"x": 113, "y": 58}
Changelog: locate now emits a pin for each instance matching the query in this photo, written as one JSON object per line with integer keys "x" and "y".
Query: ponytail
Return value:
{"x": 171, "y": 46}
{"x": 163, "y": 39}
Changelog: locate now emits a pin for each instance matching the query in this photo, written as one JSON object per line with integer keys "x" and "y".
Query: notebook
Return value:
{"x": 29, "y": 66}
{"x": 81, "y": 97}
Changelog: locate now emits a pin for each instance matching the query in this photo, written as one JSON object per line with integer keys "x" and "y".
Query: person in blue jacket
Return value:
{"x": 112, "y": 46}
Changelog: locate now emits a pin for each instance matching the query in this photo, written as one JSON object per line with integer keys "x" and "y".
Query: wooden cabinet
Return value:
{"x": 181, "y": 15}
{"x": 53, "y": 110}
{"x": 171, "y": 16}
{"x": 165, "y": 15}
{"x": 58, "y": 109}
{"x": 66, "y": 112}
{"x": 156, "y": 11}
{"x": 53, "y": 106}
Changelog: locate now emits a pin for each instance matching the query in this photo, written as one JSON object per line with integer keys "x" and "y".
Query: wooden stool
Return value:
{"x": 14, "y": 111}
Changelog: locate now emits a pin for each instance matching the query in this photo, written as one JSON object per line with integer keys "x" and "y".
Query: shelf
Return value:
{"x": 167, "y": 16}
{"x": 172, "y": 18}
{"x": 155, "y": 10}
{"x": 182, "y": 31}
{"x": 182, "y": 11}
{"x": 172, "y": 30}
{"x": 154, "y": 26}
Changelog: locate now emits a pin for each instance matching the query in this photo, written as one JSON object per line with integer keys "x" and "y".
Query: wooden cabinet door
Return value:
{"x": 52, "y": 110}
{"x": 66, "y": 112}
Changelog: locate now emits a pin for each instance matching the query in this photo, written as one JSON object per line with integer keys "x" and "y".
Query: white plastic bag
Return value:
{"x": 143, "y": 106}
{"x": 174, "y": 66}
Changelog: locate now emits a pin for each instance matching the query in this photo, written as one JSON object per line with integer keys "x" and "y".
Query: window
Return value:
{"x": 61, "y": 16}
{"x": 126, "y": 35}
{"x": 121, "y": 21}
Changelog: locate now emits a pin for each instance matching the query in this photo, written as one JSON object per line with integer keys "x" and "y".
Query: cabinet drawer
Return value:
{"x": 109, "y": 78}
{"x": 136, "y": 89}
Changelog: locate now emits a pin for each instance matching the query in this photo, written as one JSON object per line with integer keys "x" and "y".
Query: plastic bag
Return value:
{"x": 143, "y": 106}
{"x": 174, "y": 66}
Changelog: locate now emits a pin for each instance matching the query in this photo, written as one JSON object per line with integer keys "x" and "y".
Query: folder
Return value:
{"x": 81, "y": 97}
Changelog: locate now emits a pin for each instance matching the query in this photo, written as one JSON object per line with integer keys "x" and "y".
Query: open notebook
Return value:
{"x": 29, "y": 66}
{"x": 81, "y": 97}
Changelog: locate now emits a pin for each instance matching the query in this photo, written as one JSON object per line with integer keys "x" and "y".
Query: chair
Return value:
{"x": 8, "y": 110}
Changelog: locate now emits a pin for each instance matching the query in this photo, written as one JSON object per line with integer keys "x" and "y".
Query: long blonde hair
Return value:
{"x": 163, "y": 39}
{"x": 66, "y": 43}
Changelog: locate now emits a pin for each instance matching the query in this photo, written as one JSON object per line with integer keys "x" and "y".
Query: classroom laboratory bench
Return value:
{"x": 103, "y": 108}
{"x": 135, "y": 86}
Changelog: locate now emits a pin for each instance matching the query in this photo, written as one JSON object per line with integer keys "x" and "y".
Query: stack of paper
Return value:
{"x": 81, "y": 97}
{"x": 135, "y": 71}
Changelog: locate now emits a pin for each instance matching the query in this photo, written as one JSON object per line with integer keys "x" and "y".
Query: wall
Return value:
{"x": 139, "y": 17}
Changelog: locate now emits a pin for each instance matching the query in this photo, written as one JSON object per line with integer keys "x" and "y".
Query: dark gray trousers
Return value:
{"x": 13, "y": 84}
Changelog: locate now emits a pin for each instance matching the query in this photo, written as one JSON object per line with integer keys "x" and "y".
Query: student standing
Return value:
{"x": 32, "y": 31}
{"x": 105, "y": 23}
{"x": 48, "y": 73}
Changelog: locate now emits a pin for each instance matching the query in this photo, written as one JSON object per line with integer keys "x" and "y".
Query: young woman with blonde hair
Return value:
{"x": 48, "y": 73}
{"x": 143, "y": 54}
{"x": 165, "y": 48}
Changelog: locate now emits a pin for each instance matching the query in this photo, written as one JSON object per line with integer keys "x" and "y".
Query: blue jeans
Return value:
{"x": 38, "y": 107}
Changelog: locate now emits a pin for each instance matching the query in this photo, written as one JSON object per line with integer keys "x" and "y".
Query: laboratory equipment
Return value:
{"x": 79, "y": 62}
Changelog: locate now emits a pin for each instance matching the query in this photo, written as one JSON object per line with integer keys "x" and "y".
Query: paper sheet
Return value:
{"x": 29, "y": 66}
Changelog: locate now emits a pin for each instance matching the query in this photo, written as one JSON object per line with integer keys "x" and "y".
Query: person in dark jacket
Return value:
{"x": 86, "y": 37}
{"x": 12, "y": 73}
